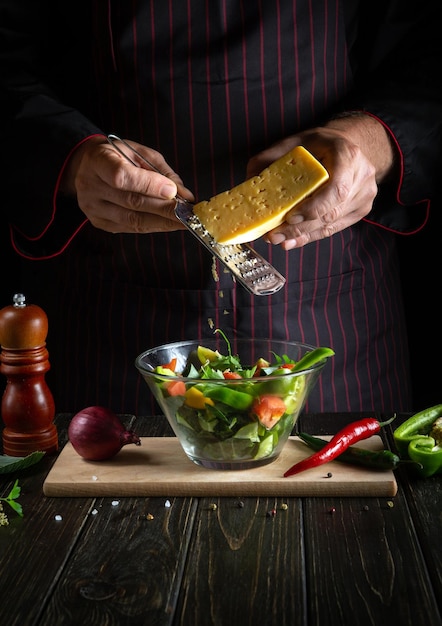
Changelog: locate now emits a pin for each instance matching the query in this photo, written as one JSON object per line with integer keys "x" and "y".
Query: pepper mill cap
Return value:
{"x": 22, "y": 326}
{"x": 19, "y": 300}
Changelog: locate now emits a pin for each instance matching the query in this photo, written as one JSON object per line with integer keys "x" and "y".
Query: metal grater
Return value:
{"x": 248, "y": 267}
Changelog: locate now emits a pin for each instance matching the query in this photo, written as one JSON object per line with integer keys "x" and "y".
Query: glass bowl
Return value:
{"x": 229, "y": 423}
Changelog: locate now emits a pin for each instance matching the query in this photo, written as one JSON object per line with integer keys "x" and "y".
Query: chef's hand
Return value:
{"x": 118, "y": 197}
{"x": 357, "y": 153}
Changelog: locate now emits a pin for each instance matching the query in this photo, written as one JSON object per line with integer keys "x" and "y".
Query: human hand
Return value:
{"x": 357, "y": 153}
{"x": 118, "y": 197}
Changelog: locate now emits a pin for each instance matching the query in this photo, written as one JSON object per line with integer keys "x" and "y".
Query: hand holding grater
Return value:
{"x": 248, "y": 267}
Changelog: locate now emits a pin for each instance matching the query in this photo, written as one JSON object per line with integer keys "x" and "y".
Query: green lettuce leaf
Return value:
{"x": 9, "y": 464}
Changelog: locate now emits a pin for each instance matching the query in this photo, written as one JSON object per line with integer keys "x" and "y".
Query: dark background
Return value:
{"x": 421, "y": 264}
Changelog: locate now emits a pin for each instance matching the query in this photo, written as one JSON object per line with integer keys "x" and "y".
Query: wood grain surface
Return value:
{"x": 159, "y": 467}
{"x": 134, "y": 561}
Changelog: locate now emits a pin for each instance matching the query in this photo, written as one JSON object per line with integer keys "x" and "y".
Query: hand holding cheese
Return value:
{"x": 259, "y": 204}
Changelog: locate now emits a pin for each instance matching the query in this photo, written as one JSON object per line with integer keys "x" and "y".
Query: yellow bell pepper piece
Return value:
{"x": 196, "y": 399}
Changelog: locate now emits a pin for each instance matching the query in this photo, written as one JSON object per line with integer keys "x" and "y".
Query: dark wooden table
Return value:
{"x": 323, "y": 561}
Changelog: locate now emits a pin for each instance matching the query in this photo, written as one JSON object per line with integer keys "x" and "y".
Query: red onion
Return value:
{"x": 97, "y": 434}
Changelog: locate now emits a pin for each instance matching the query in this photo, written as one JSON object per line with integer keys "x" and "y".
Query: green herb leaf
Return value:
{"x": 9, "y": 464}
{"x": 13, "y": 495}
{"x": 15, "y": 492}
{"x": 16, "y": 506}
{"x": 231, "y": 361}
{"x": 209, "y": 372}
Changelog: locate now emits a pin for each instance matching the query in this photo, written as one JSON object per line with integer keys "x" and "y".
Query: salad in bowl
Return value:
{"x": 232, "y": 409}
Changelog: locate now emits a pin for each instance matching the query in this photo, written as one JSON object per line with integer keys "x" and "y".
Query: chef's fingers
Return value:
{"x": 295, "y": 238}
{"x": 116, "y": 219}
{"x": 325, "y": 214}
{"x": 343, "y": 201}
{"x": 119, "y": 174}
{"x": 117, "y": 196}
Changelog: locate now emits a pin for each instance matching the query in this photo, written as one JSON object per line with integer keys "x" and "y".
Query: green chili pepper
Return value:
{"x": 375, "y": 459}
{"x": 236, "y": 399}
{"x": 413, "y": 440}
{"x": 311, "y": 358}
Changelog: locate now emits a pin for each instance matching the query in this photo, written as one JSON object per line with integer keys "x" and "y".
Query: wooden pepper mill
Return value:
{"x": 27, "y": 406}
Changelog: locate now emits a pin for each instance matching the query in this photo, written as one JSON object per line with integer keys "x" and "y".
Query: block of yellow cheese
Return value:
{"x": 259, "y": 204}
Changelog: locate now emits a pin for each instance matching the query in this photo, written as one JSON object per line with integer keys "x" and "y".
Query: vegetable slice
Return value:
{"x": 268, "y": 409}
{"x": 176, "y": 388}
{"x": 311, "y": 358}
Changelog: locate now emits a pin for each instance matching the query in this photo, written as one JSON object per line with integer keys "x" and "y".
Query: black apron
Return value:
{"x": 209, "y": 85}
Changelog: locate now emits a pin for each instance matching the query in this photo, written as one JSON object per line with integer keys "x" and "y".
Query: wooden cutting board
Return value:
{"x": 159, "y": 467}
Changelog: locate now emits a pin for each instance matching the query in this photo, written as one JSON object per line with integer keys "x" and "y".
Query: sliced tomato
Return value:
{"x": 231, "y": 375}
{"x": 268, "y": 409}
{"x": 176, "y": 388}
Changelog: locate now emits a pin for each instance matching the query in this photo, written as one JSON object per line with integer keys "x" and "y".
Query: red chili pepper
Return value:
{"x": 356, "y": 431}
